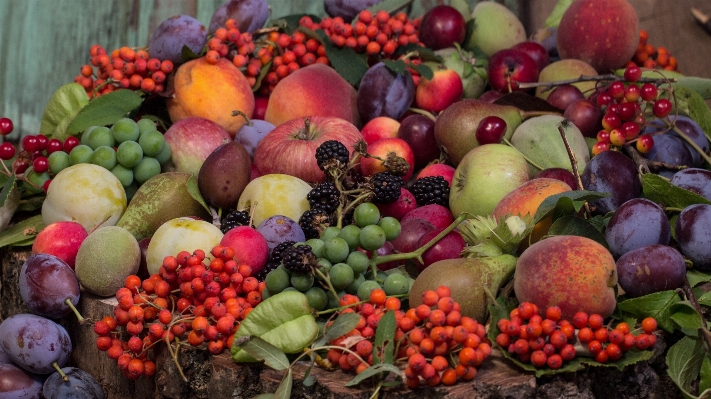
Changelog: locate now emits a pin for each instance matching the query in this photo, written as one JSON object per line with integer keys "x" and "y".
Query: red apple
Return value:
{"x": 61, "y": 239}
{"x": 508, "y": 68}
{"x": 438, "y": 169}
{"x": 249, "y": 245}
{"x": 490, "y": 96}
{"x": 291, "y": 147}
{"x": 536, "y": 51}
{"x": 418, "y": 131}
{"x": 254, "y": 172}
{"x": 438, "y": 93}
{"x": 260, "y": 107}
{"x": 441, "y": 27}
{"x": 412, "y": 230}
{"x": 192, "y": 140}
{"x": 381, "y": 127}
{"x": 438, "y": 215}
{"x": 404, "y": 204}
{"x": 381, "y": 149}
{"x": 448, "y": 247}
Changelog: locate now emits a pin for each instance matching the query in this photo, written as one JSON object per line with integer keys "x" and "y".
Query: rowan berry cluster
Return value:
{"x": 192, "y": 299}
{"x": 436, "y": 343}
{"x": 551, "y": 341}
{"x": 125, "y": 68}
{"x": 647, "y": 56}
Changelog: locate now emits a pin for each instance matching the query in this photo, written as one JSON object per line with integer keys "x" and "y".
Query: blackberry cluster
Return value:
{"x": 386, "y": 187}
{"x": 234, "y": 219}
{"x": 431, "y": 190}
{"x": 274, "y": 259}
{"x": 332, "y": 153}
{"x": 313, "y": 221}
{"x": 324, "y": 196}
{"x": 299, "y": 258}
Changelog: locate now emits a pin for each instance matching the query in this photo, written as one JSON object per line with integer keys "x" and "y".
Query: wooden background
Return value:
{"x": 43, "y": 43}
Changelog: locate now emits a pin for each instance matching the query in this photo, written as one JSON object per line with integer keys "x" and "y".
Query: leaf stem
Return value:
{"x": 328, "y": 282}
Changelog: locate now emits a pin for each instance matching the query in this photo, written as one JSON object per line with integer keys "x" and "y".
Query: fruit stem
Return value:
{"x": 691, "y": 143}
{"x": 535, "y": 165}
{"x": 423, "y": 112}
{"x": 242, "y": 114}
{"x": 328, "y": 282}
{"x": 59, "y": 370}
{"x": 69, "y": 303}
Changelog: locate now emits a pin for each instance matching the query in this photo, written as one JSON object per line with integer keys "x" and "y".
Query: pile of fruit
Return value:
{"x": 398, "y": 197}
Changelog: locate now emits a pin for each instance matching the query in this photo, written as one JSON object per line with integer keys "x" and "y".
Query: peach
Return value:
{"x": 526, "y": 199}
{"x": 212, "y": 92}
{"x": 315, "y": 90}
{"x": 572, "y": 272}
{"x": 570, "y": 68}
{"x": 382, "y": 127}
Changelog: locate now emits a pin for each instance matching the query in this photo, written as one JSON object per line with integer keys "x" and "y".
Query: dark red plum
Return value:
{"x": 46, "y": 283}
{"x": 175, "y": 32}
{"x": 249, "y": 14}
{"x": 441, "y": 27}
{"x": 411, "y": 230}
{"x": 35, "y": 343}
{"x": 383, "y": 92}
{"x": 637, "y": 223}
{"x": 564, "y": 95}
{"x": 693, "y": 234}
{"x": 586, "y": 116}
{"x": 80, "y": 385}
{"x": 18, "y": 383}
{"x": 448, "y": 247}
{"x": 650, "y": 269}
{"x": 671, "y": 150}
{"x": 418, "y": 131}
{"x": 440, "y": 216}
{"x": 696, "y": 180}
{"x": 614, "y": 173}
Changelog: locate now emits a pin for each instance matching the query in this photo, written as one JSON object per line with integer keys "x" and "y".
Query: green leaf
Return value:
{"x": 384, "y": 347}
{"x": 657, "y": 305}
{"x": 397, "y": 66}
{"x": 105, "y": 110}
{"x": 194, "y": 191}
{"x": 391, "y": 6}
{"x": 697, "y": 277}
{"x": 424, "y": 53}
{"x": 687, "y": 319}
{"x": 684, "y": 361}
{"x": 567, "y": 203}
{"x": 7, "y": 187}
{"x": 702, "y": 86}
{"x": 284, "y": 390}
{"x": 704, "y": 299}
{"x": 705, "y": 374}
{"x": 309, "y": 380}
{"x": 573, "y": 225}
{"x": 555, "y": 16}
{"x": 290, "y": 23}
{"x": 283, "y": 320}
{"x": 63, "y": 106}
{"x": 373, "y": 370}
{"x": 262, "y": 350}
{"x": 424, "y": 70}
{"x": 692, "y": 104}
{"x": 187, "y": 54}
{"x": 349, "y": 64}
{"x": 22, "y": 233}
{"x": 264, "y": 396}
{"x": 658, "y": 189}
{"x": 344, "y": 323}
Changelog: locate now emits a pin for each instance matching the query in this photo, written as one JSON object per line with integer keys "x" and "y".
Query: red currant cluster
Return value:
{"x": 199, "y": 300}
{"x": 123, "y": 68}
{"x": 627, "y": 108}
{"x": 554, "y": 340}
{"x": 439, "y": 345}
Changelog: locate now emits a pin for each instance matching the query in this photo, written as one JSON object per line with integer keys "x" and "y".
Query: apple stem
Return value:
{"x": 573, "y": 163}
{"x": 328, "y": 282}
{"x": 535, "y": 165}
{"x": 69, "y": 303}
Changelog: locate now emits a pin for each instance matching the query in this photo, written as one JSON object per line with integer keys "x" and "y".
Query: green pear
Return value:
{"x": 494, "y": 28}
{"x": 469, "y": 279}
{"x": 570, "y": 68}
{"x": 161, "y": 198}
{"x": 455, "y": 128}
{"x": 539, "y": 139}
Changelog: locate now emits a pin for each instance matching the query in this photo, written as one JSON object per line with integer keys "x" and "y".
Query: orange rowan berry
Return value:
{"x": 392, "y": 303}
{"x": 378, "y": 297}
{"x": 649, "y": 325}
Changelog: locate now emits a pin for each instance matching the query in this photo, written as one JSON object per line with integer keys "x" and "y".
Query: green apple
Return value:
{"x": 494, "y": 28}
{"x": 484, "y": 176}
{"x": 275, "y": 194}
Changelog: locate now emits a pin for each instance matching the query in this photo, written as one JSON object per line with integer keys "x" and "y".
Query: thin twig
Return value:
{"x": 689, "y": 293}
{"x": 574, "y": 164}
{"x": 589, "y": 78}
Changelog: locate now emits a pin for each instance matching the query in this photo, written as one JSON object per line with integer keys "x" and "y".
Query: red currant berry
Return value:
{"x": 6, "y": 126}
{"x": 600, "y": 146}
{"x": 630, "y": 130}
{"x": 626, "y": 111}
{"x": 42, "y": 142}
{"x": 662, "y": 108}
{"x": 611, "y": 121}
{"x": 603, "y": 98}
{"x": 648, "y": 92}
{"x": 54, "y": 145}
{"x": 30, "y": 143}
{"x": 40, "y": 164}
{"x": 7, "y": 151}
{"x": 632, "y": 93}
{"x": 70, "y": 143}
{"x": 616, "y": 90}
{"x": 491, "y": 130}
{"x": 21, "y": 165}
{"x": 603, "y": 136}
{"x": 633, "y": 73}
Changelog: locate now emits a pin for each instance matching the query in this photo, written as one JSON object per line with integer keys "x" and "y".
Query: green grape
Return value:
{"x": 147, "y": 168}
{"x": 125, "y": 130}
{"x": 366, "y": 214}
{"x": 152, "y": 143}
{"x": 165, "y": 154}
{"x": 266, "y": 294}
{"x": 285, "y": 270}
{"x": 37, "y": 179}
{"x": 146, "y": 125}
{"x": 358, "y": 261}
{"x": 58, "y": 161}
{"x": 317, "y": 298}
{"x": 129, "y": 154}
{"x": 336, "y": 249}
{"x": 99, "y": 137}
{"x": 351, "y": 233}
{"x": 277, "y": 281}
{"x": 357, "y": 281}
{"x": 330, "y": 232}
{"x": 365, "y": 289}
{"x": 302, "y": 281}
{"x": 104, "y": 156}
{"x": 289, "y": 289}
{"x": 80, "y": 154}
{"x": 391, "y": 226}
{"x": 341, "y": 276}
{"x": 84, "y": 139}
{"x": 324, "y": 266}
{"x": 372, "y": 237}
{"x": 124, "y": 175}
{"x": 316, "y": 246}
{"x": 396, "y": 284}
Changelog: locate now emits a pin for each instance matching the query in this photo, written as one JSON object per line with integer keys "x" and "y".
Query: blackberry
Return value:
{"x": 386, "y": 187}
{"x": 431, "y": 190}
{"x": 274, "y": 259}
{"x": 313, "y": 222}
{"x": 299, "y": 258}
{"x": 234, "y": 219}
{"x": 332, "y": 153}
{"x": 324, "y": 196}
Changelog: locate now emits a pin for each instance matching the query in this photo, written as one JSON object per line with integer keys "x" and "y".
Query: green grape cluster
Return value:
{"x": 343, "y": 266}
{"x": 133, "y": 151}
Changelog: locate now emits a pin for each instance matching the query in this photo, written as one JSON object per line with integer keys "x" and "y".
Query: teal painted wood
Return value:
{"x": 44, "y": 43}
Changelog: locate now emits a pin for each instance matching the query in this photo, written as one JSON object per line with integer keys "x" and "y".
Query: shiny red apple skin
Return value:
{"x": 381, "y": 149}
{"x": 536, "y": 51}
{"x": 438, "y": 93}
{"x": 381, "y": 127}
{"x": 61, "y": 239}
{"x": 441, "y": 27}
{"x": 509, "y": 67}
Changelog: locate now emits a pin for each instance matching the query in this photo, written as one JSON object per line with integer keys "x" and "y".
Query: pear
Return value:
{"x": 455, "y": 128}
{"x": 469, "y": 279}
{"x": 224, "y": 175}
{"x": 161, "y": 198}
{"x": 494, "y": 28}
{"x": 539, "y": 139}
